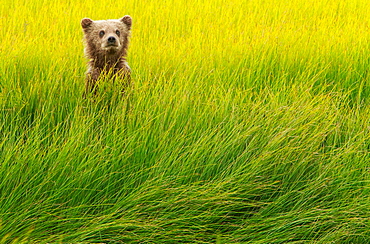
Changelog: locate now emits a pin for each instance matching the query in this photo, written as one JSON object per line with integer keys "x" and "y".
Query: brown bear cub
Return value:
{"x": 106, "y": 43}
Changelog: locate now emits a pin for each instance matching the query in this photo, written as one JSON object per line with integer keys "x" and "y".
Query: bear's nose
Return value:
{"x": 111, "y": 39}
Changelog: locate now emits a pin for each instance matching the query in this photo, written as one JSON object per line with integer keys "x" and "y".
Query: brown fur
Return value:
{"x": 106, "y": 56}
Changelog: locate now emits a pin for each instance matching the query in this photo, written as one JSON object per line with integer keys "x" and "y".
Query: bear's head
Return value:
{"x": 106, "y": 37}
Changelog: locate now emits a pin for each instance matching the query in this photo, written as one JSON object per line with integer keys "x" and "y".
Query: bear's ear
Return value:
{"x": 86, "y": 23}
{"x": 127, "y": 20}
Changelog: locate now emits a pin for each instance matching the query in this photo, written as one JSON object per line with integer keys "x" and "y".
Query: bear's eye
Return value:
{"x": 101, "y": 33}
{"x": 118, "y": 33}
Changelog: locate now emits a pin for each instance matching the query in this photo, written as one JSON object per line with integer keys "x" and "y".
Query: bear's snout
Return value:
{"x": 111, "y": 40}
{"x": 111, "y": 44}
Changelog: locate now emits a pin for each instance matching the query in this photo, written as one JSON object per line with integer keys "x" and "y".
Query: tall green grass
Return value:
{"x": 248, "y": 123}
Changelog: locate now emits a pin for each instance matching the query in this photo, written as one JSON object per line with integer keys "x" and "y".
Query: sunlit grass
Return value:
{"x": 248, "y": 122}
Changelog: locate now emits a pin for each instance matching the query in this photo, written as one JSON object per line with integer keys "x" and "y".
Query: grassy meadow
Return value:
{"x": 249, "y": 122}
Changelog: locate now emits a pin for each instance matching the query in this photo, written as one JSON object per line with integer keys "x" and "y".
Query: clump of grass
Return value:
{"x": 247, "y": 122}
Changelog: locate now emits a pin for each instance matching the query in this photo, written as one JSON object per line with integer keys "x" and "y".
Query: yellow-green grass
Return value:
{"x": 248, "y": 123}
